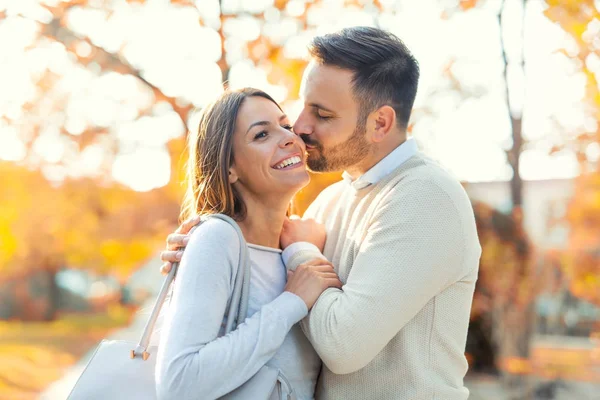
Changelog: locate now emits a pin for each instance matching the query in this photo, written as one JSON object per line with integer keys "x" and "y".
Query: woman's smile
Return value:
{"x": 290, "y": 162}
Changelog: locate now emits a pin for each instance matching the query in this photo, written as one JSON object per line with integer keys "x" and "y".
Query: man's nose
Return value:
{"x": 302, "y": 126}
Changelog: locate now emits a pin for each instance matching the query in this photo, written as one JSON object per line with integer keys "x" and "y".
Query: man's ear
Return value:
{"x": 233, "y": 177}
{"x": 383, "y": 122}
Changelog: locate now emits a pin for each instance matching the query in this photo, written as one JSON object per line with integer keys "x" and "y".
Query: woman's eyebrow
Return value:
{"x": 264, "y": 123}
{"x": 258, "y": 123}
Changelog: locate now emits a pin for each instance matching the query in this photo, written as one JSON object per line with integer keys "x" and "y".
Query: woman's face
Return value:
{"x": 267, "y": 156}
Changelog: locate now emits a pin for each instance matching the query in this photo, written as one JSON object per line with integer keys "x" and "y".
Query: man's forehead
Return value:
{"x": 321, "y": 82}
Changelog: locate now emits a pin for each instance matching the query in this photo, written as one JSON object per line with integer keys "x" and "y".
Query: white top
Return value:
{"x": 194, "y": 360}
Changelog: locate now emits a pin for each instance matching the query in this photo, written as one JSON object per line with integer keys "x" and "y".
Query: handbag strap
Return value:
{"x": 238, "y": 304}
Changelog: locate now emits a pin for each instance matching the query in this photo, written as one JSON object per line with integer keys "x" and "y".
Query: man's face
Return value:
{"x": 328, "y": 121}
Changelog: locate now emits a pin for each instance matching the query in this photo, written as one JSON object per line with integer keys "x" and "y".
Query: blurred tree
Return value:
{"x": 580, "y": 20}
{"x": 516, "y": 284}
{"x": 499, "y": 288}
{"x": 253, "y": 39}
{"x": 79, "y": 224}
{"x": 509, "y": 278}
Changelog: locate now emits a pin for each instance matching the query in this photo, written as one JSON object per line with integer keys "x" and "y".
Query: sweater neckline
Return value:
{"x": 264, "y": 248}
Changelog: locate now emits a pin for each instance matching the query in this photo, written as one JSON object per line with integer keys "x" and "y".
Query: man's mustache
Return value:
{"x": 307, "y": 140}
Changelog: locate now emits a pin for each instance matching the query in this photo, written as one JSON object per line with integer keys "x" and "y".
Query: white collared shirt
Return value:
{"x": 389, "y": 163}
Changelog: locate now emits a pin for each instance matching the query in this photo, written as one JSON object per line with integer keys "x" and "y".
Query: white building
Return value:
{"x": 543, "y": 202}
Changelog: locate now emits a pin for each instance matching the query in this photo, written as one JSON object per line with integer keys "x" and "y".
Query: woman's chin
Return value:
{"x": 295, "y": 182}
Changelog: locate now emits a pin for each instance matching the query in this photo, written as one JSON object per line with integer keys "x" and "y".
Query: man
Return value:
{"x": 400, "y": 230}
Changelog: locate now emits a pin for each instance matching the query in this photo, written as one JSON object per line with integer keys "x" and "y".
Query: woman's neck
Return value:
{"x": 263, "y": 221}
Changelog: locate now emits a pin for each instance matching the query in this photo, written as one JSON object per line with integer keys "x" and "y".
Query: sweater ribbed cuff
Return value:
{"x": 299, "y": 252}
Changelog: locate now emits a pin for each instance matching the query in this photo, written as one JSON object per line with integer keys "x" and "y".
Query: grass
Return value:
{"x": 34, "y": 354}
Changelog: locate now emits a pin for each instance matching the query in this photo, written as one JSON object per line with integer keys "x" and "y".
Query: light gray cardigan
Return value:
{"x": 194, "y": 360}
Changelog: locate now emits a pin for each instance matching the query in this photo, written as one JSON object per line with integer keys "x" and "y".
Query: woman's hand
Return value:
{"x": 311, "y": 279}
{"x": 302, "y": 230}
{"x": 175, "y": 244}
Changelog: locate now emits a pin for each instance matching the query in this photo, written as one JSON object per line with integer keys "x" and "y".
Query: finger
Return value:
{"x": 330, "y": 275}
{"x": 165, "y": 268}
{"x": 322, "y": 269}
{"x": 177, "y": 240}
{"x": 171, "y": 256}
{"x": 290, "y": 274}
{"x": 188, "y": 224}
{"x": 333, "y": 282}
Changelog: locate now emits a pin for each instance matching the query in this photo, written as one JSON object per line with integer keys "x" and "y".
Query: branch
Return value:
{"x": 514, "y": 153}
{"x": 55, "y": 30}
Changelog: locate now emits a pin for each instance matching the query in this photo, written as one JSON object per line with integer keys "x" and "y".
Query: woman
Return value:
{"x": 245, "y": 162}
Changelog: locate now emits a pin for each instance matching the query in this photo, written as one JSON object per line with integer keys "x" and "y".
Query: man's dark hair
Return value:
{"x": 385, "y": 71}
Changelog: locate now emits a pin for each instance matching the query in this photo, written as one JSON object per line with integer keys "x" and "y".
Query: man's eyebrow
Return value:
{"x": 264, "y": 123}
{"x": 317, "y": 105}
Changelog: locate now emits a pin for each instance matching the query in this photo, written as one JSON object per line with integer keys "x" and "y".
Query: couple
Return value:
{"x": 383, "y": 264}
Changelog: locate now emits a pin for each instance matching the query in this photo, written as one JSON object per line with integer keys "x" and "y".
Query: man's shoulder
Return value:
{"x": 423, "y": 176}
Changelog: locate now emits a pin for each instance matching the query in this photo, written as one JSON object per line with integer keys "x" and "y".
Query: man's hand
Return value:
{"x": 175, "y": 243}
{"x": 302, "y": 230}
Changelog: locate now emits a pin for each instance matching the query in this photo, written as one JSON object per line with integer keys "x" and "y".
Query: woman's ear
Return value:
{"x": 233, "y": 177}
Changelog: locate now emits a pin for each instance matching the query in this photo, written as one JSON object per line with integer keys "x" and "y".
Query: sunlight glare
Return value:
{"x": 144, "y": 169}
{"x": 537, "y": 164}
{"x": 50, "y": 145}
{"x": 244, "y": 74}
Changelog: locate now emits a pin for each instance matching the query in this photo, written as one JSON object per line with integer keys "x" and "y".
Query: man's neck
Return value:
{"x": 378, "y": 152}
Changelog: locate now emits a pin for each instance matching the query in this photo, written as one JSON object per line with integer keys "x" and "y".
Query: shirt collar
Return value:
{"x": 389, "y": 163}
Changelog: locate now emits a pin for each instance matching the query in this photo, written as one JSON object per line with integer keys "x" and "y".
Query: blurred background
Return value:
{"x": 96, "y": 98}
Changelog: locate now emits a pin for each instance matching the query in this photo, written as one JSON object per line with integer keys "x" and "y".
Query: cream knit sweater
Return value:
{"x": 407, "y": 251}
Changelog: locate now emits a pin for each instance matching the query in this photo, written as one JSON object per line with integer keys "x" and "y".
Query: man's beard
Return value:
{"x": 339, "y": 157}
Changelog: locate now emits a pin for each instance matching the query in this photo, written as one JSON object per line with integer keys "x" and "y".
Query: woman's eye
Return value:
{"x": 288, "y": 127}
{"x": 260, "y": 135}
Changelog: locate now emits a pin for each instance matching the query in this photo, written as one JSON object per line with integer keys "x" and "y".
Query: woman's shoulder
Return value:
{"x": 216, "y": 235}
{"x": 214, "y": 226}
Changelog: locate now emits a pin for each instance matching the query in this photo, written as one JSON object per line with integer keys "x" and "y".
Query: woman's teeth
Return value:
{"x": 290, "y": 161}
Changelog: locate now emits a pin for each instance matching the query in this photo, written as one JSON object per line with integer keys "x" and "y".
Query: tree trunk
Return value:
{"x": 222, "y": 63}
{"x": 53, "y": 297}
{"x": 515, "y": 325}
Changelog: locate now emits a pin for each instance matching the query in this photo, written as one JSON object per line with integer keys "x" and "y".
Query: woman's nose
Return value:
{"x": 288, "y": 139}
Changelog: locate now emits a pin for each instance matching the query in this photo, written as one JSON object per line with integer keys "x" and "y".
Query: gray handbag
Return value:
{"x": 121, "y": 370}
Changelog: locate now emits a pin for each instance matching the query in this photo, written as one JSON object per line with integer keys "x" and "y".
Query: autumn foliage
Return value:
{"x": 581, "y": 263}
{"x": 50, "y": 221}
{"x": 79, "y": 224}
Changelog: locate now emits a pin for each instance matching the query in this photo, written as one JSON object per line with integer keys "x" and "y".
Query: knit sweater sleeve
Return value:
{"x": 412, "y": 250}
{"x": 192, "y": 361}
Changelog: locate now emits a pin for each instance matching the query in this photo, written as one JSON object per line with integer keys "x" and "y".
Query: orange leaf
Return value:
{"x": 468, "y": 4}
